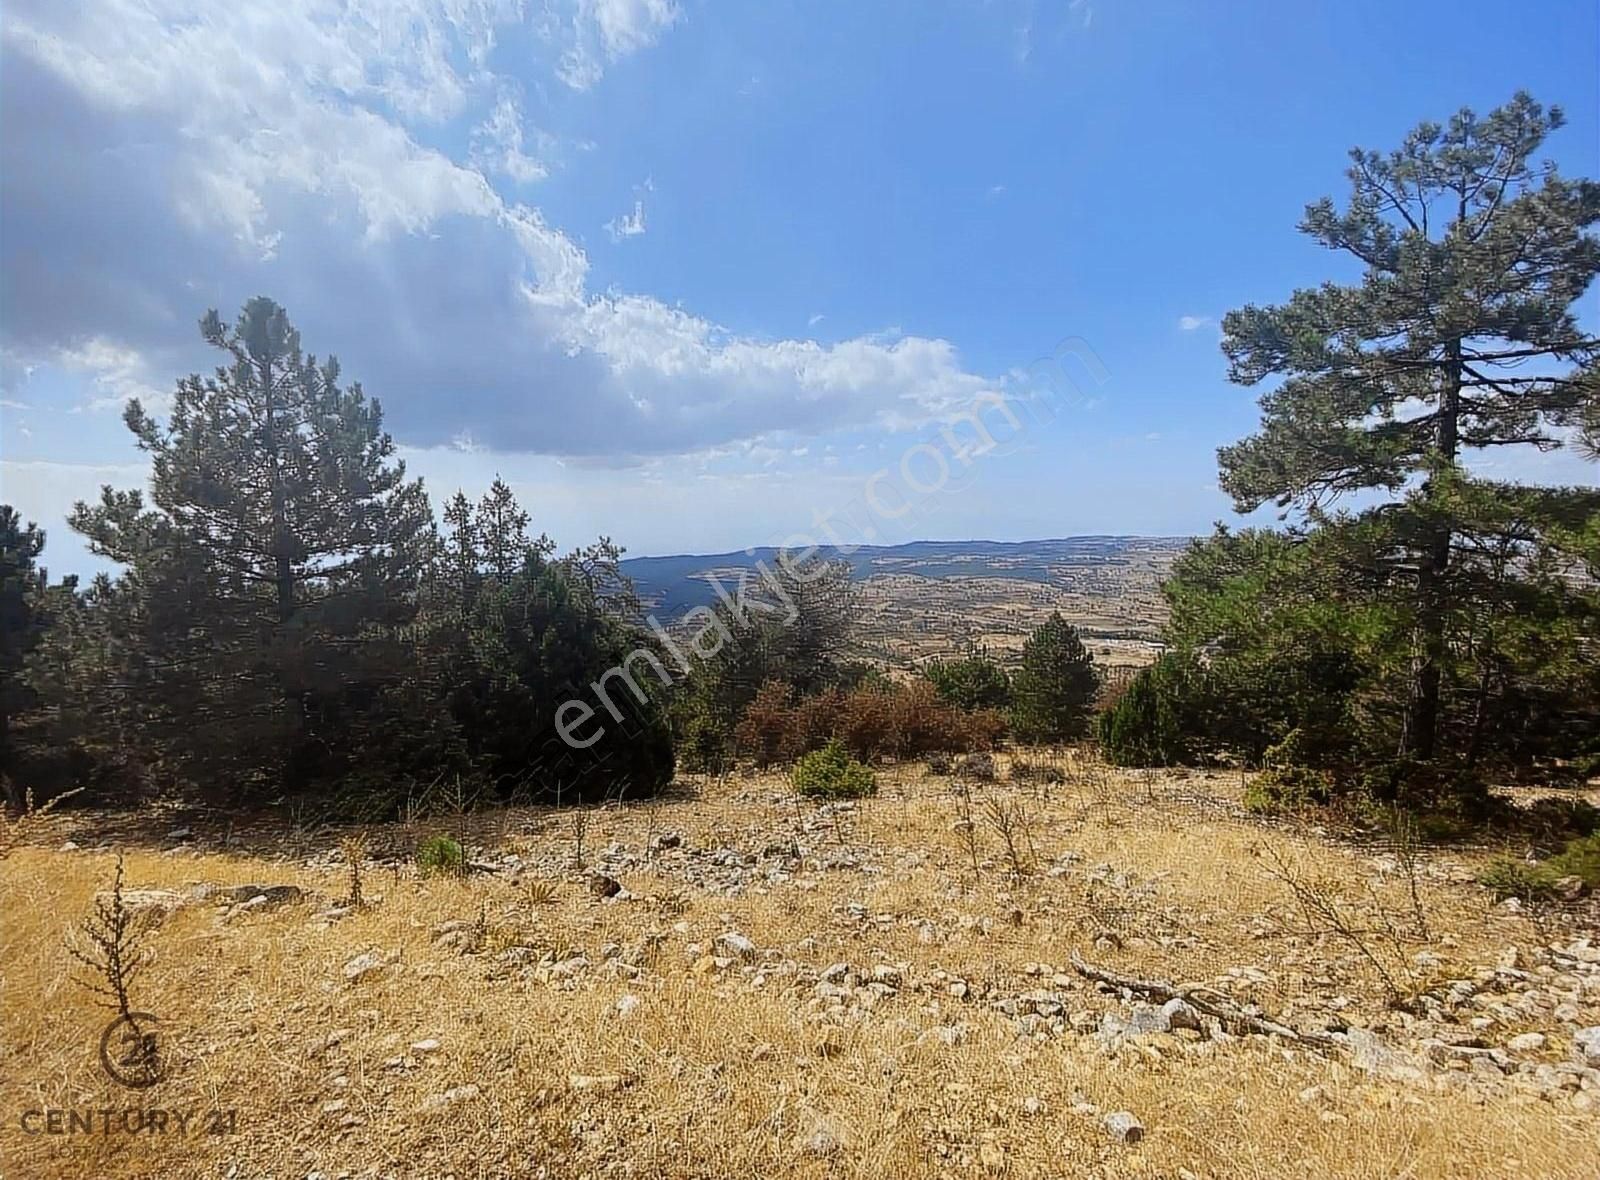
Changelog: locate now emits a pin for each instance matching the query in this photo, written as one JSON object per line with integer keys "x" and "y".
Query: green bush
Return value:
{"x": 440, "y": 855}
{"x": 1580, "y": 858}
{"x": 1506, "y": 877}
{"x": 1287, "y": 788}
{"x": 970, "y": 683}
{"x": 1537, "y": 882}
{"x": 830, "y": 773}
{"x": 1148, "y": 724}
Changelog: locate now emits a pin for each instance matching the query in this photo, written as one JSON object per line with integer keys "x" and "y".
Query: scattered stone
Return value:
{"x": 1530, "y": 1042}
{"x": 1123, "y": 1127}
{"x": 946, "y": 1034}
{"x": 1180, "y": 1013}
{"x": 737, "y": 944}
{"x": 1144, "y": 1020}
{"x": 603, "y": 886}
{"x": 568, "y": 968}
{"x": 596, "y": 1083}
{"x": 1370, "y": 1055}
{"x": 431, "y": 1045}
{"x": 244, "y": 907}
{"x": 627, "y": 1005}
{"x": 334, "y": 1107}
{"x": 456, "y": 934}
{"x": 149, "y": 907}
{"x": 450, "y": 1097}
{"x": 1571, "y": 888}
{"x": 363, "y": 965}
{"x": 1586, "y": 1046}
{"x": 824, "y": 1137}
{"x": 269, "y": 896}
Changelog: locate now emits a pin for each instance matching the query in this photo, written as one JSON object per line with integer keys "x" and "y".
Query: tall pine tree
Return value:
{"x": 1053, "y": 689}
{"x": 1460, "y": 337}
{"x": 282, "y": 546}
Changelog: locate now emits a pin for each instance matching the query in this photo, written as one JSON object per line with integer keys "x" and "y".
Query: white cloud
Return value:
{"x": 498, "y": 144}
{"x": 1189, "y": 323}
{"x": 118, "y": 374}
{"x": 294, "y": 151}
{"x": 628, "y": 225}
{"x": 602, "y": 32}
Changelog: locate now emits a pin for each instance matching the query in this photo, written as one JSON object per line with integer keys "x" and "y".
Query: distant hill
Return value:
{"x": 930, "y": 598}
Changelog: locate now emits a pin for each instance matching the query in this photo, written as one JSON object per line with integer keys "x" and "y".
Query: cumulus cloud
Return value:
{"x": 498, "y": 144}
{"x": 159, "y": 161}
{"x": 605, "y": 31}
{"x": 117, "y": 374}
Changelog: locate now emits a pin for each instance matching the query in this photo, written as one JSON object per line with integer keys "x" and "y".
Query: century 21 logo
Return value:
{"x": 130, "y": 1052}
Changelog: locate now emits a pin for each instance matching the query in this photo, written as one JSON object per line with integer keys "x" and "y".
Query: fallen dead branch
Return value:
{"x": 1207, "y": 1002}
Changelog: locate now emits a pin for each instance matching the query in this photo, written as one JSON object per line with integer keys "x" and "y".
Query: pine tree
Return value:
{"x": 1152, "y": 723}
{"x": 1054, "y": 688}
{"x": 281, "y": 546}
{"x": 1460, "y": 337}
{"x": 19, "y": 589}
{"x": 501, "y": 527}
{"x": 511, "y": 632}
{"x": 972, "y": 682}
{"x": 28, "y": 607}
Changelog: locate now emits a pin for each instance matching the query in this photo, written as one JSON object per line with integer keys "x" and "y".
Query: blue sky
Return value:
{"x": 687, "y": 274}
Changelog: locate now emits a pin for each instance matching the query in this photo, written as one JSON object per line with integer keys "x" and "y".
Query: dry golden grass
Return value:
{"x": 730, "y": 1072}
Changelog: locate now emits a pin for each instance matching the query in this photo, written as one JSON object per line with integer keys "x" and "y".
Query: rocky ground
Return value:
{"x": 1069, "y": 972}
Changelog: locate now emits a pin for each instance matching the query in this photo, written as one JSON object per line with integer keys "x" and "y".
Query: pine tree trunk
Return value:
{"x": 1422, "y": 719}
{"x": 284, "y": 571}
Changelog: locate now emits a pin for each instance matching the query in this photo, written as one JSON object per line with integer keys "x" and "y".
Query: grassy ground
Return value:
{"x": 669, "y": 1054}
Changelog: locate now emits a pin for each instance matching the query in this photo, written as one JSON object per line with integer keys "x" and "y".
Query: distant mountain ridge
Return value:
{"x": 670, "y": 585}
